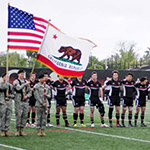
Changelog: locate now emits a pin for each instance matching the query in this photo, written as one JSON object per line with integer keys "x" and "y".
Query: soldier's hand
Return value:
{"x": 27, "y": 83}
{"x": 44, "y": 104}
{"x": 25, "y": 97}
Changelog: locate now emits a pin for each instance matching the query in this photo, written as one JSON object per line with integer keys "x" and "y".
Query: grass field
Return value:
{"x": 88, "y": 138}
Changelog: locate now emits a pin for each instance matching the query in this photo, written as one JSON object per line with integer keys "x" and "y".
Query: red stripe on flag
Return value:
{"x": 25, "y": 34}
{"x": 42, "y": 26}
{"x": 24, "y": 41}
{"x": 40, "y": 30}
{"x": 58, "y": 70}
{"x": 40, "y": 19}
{"x": 23, "y": 47}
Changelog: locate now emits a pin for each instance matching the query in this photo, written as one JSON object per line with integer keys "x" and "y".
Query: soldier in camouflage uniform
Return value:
{"x": 41, "y": 93}
{"x": 21, "y": 102}
{"x": 3, "y": 86}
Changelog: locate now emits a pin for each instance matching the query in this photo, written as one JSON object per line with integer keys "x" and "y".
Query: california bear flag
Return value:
{"x": 63, "y": 54}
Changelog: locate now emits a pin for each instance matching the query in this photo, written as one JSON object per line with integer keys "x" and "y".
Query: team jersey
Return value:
{"x": 128, "y": 88}
{"x": 49, "y": 82}
{"x": 78, "y": 87}
{"x": 94, "y": 88}
{"x": 142, "y": 91}
{"x": 60, "y": 88}
{"x": 114, "y": 87}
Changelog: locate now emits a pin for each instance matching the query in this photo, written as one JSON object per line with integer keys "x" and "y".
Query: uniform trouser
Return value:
{"x": 21, "y": 111}
{"x": 41, "y": 118}
{"x": 6, "y": 111}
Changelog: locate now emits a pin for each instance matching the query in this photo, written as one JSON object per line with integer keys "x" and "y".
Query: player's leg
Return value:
{"x": 28, "y": 119}
{"x": 142, "y": 116}
{"x": 92, "y": 116}
{"x": 110, "y": 112}
{"x": 136, "y": 116}
{"x": 57, "y": 115}
{"x": 33, "y": 116}
{"x": 124, "y": 108}
{"x": 130, "y": 108}
{"x": 118, "y": 115}
{"x": 75, "y": 116}
{"x": 65, "y": 116}
{"x": 82, "y": 116}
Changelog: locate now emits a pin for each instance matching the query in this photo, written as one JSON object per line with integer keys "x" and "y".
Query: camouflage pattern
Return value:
{"x": 7, "y": 110}
{"x": 21, "y": 106}
{"x": 40, "y": 109}
{"x": 3, "y": 87}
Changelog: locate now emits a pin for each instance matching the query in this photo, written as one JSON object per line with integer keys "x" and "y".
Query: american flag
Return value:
{"x": 25, "y": 31}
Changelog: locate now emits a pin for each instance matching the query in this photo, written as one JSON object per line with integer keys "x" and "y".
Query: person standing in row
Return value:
{"x": 96, "y": 98}
{"x": 61, "y": 86}
{"x": 22, "y": 94}
{"x": 79, "y": 86}
{"x": 32, "y": 101}
{"x": 41, "y": 93}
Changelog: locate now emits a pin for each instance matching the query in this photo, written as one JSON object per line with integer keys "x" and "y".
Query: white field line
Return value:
{"x": 11, "y": 147}
{"x": 107, "y": 135}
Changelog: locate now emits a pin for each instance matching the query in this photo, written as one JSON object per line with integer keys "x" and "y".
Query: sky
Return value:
{"x": 105, "y": 22}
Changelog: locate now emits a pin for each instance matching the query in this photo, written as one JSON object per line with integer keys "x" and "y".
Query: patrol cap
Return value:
{"x": 21, "y": 71}
{"x": 4, "y": 74}
{"x": 41, "y": 76}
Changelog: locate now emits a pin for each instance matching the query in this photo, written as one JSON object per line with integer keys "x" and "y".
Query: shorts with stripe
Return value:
{"x": 127, "y": 101}
{"x": 60, "y": 101}
{"x": 140, "y": 102}
{"x": 114, "y": 100}
{"x": 78, "y": 101}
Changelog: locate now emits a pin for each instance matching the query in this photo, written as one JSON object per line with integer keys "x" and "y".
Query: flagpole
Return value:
{"x": 36, "y": 57}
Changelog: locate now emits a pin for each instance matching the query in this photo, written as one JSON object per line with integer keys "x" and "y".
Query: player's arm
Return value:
{"x": 101, "y": 94}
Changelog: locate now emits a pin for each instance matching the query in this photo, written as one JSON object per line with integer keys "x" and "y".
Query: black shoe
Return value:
{"x": 123, "y": 125}
{"x": 118, "y": 125}
{"x": 143, "y": 125}
{"x": 110, "y": 125}
{"x": 130, "y": 125}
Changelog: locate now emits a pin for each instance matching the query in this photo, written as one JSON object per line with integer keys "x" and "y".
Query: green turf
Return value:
{"x": 75, "y": 140}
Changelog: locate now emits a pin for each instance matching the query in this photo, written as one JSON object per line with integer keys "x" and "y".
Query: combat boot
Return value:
{"x": 43, "y": 134}
{"x": 2, "y": 133}
{"x": 21, "y": 132}
{"x": 39, "y": 132}
{"x": 18, "y": 132}
{"x": 7, "y": 134}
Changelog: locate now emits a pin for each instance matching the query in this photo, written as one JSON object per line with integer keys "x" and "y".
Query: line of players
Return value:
{"x": 40, "y": 91}
{"x": 118, "y": 91}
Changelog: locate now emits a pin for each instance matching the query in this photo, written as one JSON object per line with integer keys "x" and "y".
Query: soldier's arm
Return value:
{"x": 37, "y": 95}
{"x": 4, "y": 85}
{"x": 17, "y": 86}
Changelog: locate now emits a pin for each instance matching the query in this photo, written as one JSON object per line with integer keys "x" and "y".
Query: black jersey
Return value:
{"x": 78, "y": 87}
{"x": 128, "y": 88}
{"x": 94, "y": 89}
{"x": 60, "y": 88}
{"x": 142, "y": 91}
{"x": 114, "y": 87}
{"x": 49, "y": 82}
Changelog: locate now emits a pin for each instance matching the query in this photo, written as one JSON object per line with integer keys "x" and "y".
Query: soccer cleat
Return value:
{"x": 82, "y": 125}
{"x": 118, "y": 125}
{"x": 92, "y": 125}
{"x": 33, "y": 125}
{"x": 67, "y": 125}
{"x": 104, "y": 125}
{"x": 130, "y": 125}
{"x": 143, "y": 125}
{"x": 27, "y": 125}
{"x": 49, "y": 125}
{"x": 123, "y": 125}
{"x": 75, "y": 125}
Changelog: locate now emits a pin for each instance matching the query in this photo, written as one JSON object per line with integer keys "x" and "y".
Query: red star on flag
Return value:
{"x": 55, "y": 36}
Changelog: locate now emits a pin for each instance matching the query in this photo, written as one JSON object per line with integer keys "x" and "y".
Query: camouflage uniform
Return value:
{"x": 3, "y": 87}
{"x": 7, "y": 109}
{"x": 40, "y": 109}
{"x": 21, "y": 106}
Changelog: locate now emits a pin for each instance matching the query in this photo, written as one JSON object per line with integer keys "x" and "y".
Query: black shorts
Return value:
{"x": 94, "y": 101}
{"x": 106, "y": 92}
{"x": 60, "y": 101}
{"x": 140, "y": 102}
{"x": 127, "y": 101}
{"x": 32, "y": 102}
{"x": 78, "y": 101}
{"x": 114, "y": 100}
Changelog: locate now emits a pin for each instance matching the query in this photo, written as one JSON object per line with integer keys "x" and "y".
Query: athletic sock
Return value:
{"x": 75, "y": 117}
{"x": 142, "y": 118}
{"x": 122, "y": 118}
{"x": 130, "y": 118}
{"x": 81, "y": 117}
{"x": 65, "y": 118}
{"x": 110, "y": 115}
{"x": 28, "y": 119}
{"x": 33, "y": 117}
{"x": 135, "y": 118}
{"x": 57, "y": 118}
{"x": 117, "y": 117}
{"x": 102, "y": 121}
{"x": 48, "y": 118}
